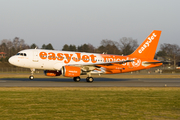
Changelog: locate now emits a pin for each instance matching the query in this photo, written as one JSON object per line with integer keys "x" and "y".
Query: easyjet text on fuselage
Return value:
{"x": 67, "y": 57}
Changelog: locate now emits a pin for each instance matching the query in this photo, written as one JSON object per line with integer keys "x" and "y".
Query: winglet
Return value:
{"x": 148, "y": 48}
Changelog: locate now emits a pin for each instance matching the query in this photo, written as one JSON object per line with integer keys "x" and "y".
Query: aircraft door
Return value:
{"x": 35, "y": 56}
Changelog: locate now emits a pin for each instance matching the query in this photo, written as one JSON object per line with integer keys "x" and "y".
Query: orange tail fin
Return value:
{"x": 148, "y": 48}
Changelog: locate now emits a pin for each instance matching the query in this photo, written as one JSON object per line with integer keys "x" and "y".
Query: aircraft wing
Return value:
{"x": 104, "y": 63}
{"x": 96, "y": 67}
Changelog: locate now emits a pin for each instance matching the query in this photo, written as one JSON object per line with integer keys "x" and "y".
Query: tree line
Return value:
{"x": 125, "y": 46}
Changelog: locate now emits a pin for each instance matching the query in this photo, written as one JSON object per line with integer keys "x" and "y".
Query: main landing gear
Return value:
{"x": 31, "y": 77}
{"x": 88, "y": 79}
{"x": 76, "y": 79}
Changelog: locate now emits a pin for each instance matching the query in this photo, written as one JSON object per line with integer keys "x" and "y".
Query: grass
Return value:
{"x": 90, "y": 103}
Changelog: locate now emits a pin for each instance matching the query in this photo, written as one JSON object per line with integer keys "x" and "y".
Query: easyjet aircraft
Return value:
{"x": 74, "y": 64}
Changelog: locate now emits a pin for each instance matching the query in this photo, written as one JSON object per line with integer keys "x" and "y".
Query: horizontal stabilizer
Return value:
{"x": 156, "y": 62}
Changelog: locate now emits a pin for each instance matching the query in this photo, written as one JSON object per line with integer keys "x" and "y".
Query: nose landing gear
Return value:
{"x": 31, "y": 77}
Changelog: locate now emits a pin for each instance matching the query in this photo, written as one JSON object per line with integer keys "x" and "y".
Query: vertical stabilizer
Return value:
{"x": 148, "y": 48}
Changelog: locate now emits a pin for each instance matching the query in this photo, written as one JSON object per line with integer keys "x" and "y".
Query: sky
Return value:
{"x": 77, "y": 22}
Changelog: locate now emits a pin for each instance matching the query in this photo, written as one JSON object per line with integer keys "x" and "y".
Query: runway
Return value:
{"x": 98, "y": 82}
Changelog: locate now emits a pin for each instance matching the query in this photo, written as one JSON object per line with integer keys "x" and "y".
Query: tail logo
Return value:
{"x": 147, "y": 44}
{"x": 136, "y": 62}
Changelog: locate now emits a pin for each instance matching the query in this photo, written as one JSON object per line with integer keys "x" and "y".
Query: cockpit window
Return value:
{"x": 21, "y": 54}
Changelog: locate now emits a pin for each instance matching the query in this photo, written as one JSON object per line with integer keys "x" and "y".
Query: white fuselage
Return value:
{"x": 48, "y": 60}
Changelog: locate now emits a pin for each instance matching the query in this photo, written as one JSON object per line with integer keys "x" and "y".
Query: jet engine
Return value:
{"x": 71, "y": 71}
{"x": 52, "y": 73}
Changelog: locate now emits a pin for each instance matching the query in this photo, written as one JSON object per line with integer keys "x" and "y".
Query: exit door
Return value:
{"x": 35, "y": 56}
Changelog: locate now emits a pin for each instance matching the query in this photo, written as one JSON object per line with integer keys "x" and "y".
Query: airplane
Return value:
{"x": 74, "y": 64}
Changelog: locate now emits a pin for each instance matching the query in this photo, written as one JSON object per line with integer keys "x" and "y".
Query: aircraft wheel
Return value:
{"x": 89, "y": 79}
{"x": 77, "y": 79}
{"x": 31, "y": 77}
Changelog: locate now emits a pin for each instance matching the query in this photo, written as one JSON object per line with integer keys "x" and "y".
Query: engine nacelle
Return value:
{"x": 70, "y": 71}
{"x": 52, "y": 73}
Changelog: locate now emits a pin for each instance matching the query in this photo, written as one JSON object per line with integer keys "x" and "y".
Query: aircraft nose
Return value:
{"x": 11, "y": 60}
